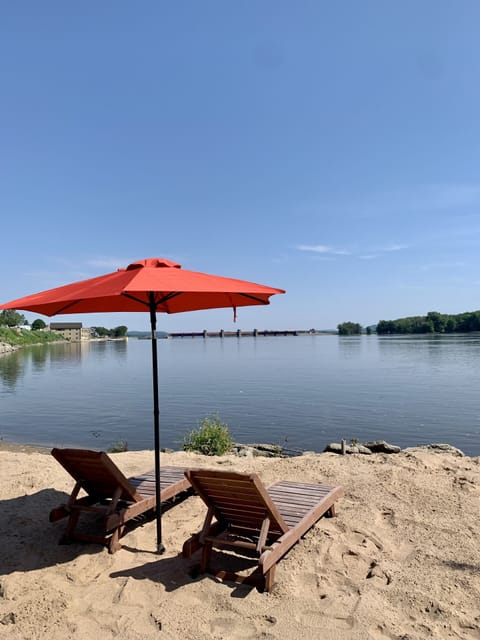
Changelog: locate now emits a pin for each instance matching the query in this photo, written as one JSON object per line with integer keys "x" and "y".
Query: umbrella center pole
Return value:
{"x": 156, "y": 422}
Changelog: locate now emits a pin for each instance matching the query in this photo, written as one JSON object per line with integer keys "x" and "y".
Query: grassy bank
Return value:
{"x": 25, "y": 338}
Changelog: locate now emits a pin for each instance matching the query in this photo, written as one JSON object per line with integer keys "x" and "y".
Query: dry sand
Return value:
{"x": 401, "y": 559}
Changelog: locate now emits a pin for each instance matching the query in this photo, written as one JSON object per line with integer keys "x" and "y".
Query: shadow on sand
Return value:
{"x": 177, "y": 572}
{"x": 30, "y": 541}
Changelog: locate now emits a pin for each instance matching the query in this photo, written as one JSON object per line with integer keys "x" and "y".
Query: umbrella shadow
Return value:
{"x": 462, "y": 566}
{"x": 177, "y": 572}
{"x": 29, "y": 540}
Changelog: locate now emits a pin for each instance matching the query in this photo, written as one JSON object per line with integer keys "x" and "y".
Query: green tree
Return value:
{"x": 119, "y": 332}
{"x": 349, "y": 329}
{"x": 439, "y": 321}
{"x": 102, "y": 332}
{"x": 12, "y": 318}
{"x": 38, "y": 324}
{"x": 385, "y": 327}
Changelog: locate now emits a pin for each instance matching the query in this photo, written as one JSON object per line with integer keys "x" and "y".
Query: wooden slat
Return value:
{"x": 96, "y": 472}
{"x": 220, "y": 489}
{"x": 172, "y": 482}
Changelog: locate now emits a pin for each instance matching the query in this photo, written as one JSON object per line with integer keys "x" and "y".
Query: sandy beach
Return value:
{"x": 400, "y": 561}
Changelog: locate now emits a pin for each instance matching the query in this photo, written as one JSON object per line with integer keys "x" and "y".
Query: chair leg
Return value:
{"x": 114, "y": 544}
{"x": 72, "y": 523}
{"x": 269, "y": 579}
{"x": 206, "y": 553}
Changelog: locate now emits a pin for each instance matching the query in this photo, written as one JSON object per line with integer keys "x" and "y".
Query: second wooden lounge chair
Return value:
{"x": 110, "y": 494}
{"x": 250, "y": 516}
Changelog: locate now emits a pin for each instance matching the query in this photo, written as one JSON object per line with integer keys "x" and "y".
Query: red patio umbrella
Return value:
{"x": 154, "y": 285}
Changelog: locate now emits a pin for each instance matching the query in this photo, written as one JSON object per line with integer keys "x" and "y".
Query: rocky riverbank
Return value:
{"x": 7, "y": 348}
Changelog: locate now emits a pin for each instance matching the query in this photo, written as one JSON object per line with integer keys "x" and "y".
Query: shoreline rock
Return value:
{"x": 366, "y": 448}
{"x": 7, "y": 348}
{"x": 381, "y": 446}
{"x": 267, "y": 450}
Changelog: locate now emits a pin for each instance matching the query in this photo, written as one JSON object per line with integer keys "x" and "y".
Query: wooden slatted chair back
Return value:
{"x": 239, "y": 499}
{"x": 97, "y": 474}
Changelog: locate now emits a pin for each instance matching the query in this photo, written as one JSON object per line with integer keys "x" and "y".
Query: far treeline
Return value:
{"x": 433, "y": 322}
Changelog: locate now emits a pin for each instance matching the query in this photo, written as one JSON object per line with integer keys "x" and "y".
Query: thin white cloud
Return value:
{"x": 71, "y": 270}
{"x": 396, "y": 247}
{"x": 323, "y": 249}
{"x": 318, "y": 248}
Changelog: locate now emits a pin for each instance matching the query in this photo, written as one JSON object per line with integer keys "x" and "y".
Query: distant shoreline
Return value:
{"x": 24, "y": 448}
{"x": 433, "y": 448}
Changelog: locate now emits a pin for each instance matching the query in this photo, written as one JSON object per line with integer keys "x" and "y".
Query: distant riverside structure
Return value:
{"x": 72, "y": 331}
{"x": 238, "y": 333}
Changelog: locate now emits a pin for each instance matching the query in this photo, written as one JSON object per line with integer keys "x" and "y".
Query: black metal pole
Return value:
{"x": 156, "y": 420}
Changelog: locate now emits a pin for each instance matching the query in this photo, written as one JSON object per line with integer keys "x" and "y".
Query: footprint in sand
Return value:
{"x": 323, "y": 597}
{"x": 378, "y": 575}
{"x": 387, "y": 520}
{"x": 230, "y": 628}
{"x": 361, "y": 552}
{"x": 356, "y": 566}
{"x": 338, "y": 605}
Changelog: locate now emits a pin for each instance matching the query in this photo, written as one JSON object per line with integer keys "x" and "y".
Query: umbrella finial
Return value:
{"x": 153, "y": 263}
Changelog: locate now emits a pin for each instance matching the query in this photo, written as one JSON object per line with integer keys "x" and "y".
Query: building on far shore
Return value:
{"x": 72, "y": 331}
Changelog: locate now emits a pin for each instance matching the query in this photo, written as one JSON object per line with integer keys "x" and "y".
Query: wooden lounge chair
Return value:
{"x": 250, "y": 516}
{"x": 110, "y": 494}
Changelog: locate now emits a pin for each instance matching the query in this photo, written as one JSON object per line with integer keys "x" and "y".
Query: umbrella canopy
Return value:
{"x": 153, "y": 285}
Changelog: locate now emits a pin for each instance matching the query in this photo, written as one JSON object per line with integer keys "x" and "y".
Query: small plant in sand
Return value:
{"x": 118, "y": 447}
{"x": 212, "y": 438}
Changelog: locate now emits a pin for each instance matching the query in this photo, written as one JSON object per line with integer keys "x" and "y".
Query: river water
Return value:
{"x": 301, "y": 392}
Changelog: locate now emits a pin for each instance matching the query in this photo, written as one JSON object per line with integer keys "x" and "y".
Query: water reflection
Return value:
{"x": 11, "y": 369}
{"x": 350, "y": 346}
{"x": 448, "y": 349}
{"x": 38, "y": 355}
{"x": 118, "y": 348}
{"x": 15, "y": 365}
{"x": 65, "y": 352}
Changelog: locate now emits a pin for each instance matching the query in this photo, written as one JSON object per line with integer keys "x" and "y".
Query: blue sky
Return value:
{"x": 330, "y": 149}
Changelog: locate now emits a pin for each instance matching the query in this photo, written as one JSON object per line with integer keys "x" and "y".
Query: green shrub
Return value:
{"x": 211, "y": 439}
{"x": 118, "y": 447}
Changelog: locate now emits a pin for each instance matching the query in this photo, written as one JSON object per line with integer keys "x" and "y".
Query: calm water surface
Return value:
{"x": 302, "y": 391}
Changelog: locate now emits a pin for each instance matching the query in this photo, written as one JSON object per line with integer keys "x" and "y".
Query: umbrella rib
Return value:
{"x": 250, "y": 297}
{"x": 158, "y": 302}
{"x": 135, "y": 299}
{"x": 67, "y": 306}
{"x": 169, "y": 296}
